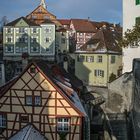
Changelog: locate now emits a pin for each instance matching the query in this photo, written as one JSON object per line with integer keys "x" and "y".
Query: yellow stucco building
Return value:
{"x": 100, "y": 59}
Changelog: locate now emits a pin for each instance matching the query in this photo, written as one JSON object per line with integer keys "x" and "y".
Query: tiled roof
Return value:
{"x": 104, "y": 40}
{"x": 28, "y": 133}
{"x": 64, "y": 21}
{"x": 64, "y": 82}
{"x": 29, "y": 22}
{"x": 83, "y": 25}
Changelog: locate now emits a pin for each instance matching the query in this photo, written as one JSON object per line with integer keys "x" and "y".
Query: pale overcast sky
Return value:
{"x": 98, "y": 10}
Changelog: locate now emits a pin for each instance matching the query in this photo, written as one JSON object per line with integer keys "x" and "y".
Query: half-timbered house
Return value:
{"x": 43, "y": 98}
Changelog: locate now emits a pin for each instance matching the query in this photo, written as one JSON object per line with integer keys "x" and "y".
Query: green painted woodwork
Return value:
{"x": 137, "y": 2}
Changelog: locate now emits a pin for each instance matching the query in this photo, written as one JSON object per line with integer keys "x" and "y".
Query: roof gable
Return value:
{"x": 40, "y": 81}
{"x": 83, "y": 25}
{"x": 27, "y": 133}
{"x": 21, "y": 23}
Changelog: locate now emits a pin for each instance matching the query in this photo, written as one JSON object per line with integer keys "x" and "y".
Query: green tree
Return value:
{"x": 131, "y": 37}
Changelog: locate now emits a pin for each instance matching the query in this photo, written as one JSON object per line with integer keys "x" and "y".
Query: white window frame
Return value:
{"x": 90, "y": 58}
{"x": 98, "y": 73}
{"x": 63, "y": 124}
{"x": 113, "y": 59}
{"x": 99, "y": 58}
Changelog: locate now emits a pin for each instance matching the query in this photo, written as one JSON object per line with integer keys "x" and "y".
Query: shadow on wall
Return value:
{"x": 23, "y": 52}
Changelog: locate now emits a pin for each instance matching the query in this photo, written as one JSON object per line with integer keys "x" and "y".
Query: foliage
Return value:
{"x": 112, "y": 77}
{"x": 131, "y": 37}
{"x": 63, "y": 135}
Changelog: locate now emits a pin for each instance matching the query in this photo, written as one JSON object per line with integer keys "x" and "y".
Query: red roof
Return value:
{"x": 83, "y": 25}
{"x": 64, "y": 21}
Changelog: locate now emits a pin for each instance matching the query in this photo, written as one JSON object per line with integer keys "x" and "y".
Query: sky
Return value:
{"x": 97, "y": 10}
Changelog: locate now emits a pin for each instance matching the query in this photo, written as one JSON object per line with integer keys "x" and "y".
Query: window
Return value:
{"x": 63, "y": 124}
{"x": 34, "y": 17}
{"x": 99, "y": 59}
{"x": 29, "y": 100}
{"x": 9, "y": 30}
{"x": 34, "y": 30}
{"x": 46, "y": 17}
{"x": 34, "y": 40}
{"x": 18, "y": 70}
{"x": 112, "y": 59}
{"x": 81, "y": 58}
{"x": 137, "y": 2}
{"x": 137, "y": 20}
{"x": 24, "y": 119}
{"x": 9, "y": 49}
{"x": 21, "y": 30}
{"x": 22, "y": 40}
{"x": 2, "y": 121}
{"x": 48, "y": 30}
{"x": 90, "y": 58}
{"x": 47, "y": 40}
{"x": 99, "y": 73}
{"x": 37, "y": 100}
{"x": 9, "y": 39}
{"x": 63, "y": 40}
{"x": 33, "y": 100}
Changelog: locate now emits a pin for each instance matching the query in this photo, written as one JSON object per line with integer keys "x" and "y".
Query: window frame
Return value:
{"x": 63, "y": 126}
{"x": 35, "y": 97}
{"x": 99, "y": 58}
{"x": 99, "y": 73}
{"x": 89, "y": 59}
{"x": 113, "y": 59}
{"x": 24, "y": 121}
{"x": 3, "y": 120}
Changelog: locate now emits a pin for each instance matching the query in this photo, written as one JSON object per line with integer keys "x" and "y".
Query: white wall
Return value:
{"x": 130, "y": 12}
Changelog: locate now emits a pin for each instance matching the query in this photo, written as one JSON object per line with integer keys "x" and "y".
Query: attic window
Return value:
{"x": 46, "y": 17}
{"x": 39, "y": 10}
{"x": 32, "y": 70}
{"x": 34, "y": 17}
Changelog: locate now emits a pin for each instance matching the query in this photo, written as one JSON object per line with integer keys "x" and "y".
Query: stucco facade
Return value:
{"x": 94, "y": 72}
{"x": 131, "y": 12}
{"x": 23, "y": 37}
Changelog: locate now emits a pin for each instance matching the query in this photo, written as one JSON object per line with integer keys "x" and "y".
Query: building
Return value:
{"x": 40, "y": 14}
{"x": 24, "y": 36}
{"x": 44, "y": 98}
{"x": 30, "y": 37}
{"x": 131, "y": 16}
{"x": 100, "y": 60}
{"x": 81, "y": 31}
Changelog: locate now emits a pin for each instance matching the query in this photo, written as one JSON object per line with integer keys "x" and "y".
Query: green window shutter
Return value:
{"x": 137, "y": 20}
{"x": 137, "y": 2}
